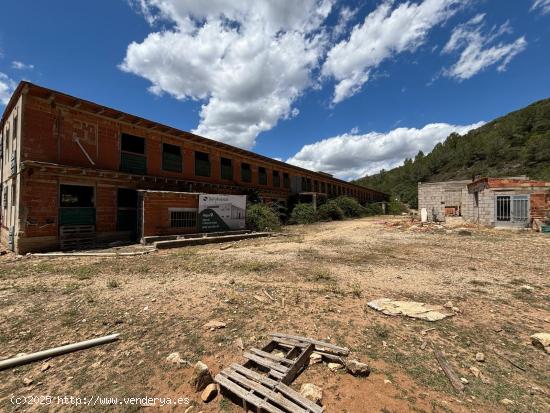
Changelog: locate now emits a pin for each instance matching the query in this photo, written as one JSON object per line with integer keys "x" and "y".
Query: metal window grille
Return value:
{"x": 512, "y": 208}
{"x": 183, "y": 219}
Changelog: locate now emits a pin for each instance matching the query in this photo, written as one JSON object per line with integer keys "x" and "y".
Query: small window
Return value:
{"x": 202, "y": 164}
{"x": 134, "y": 144}
{"x": 262, "y": 176}
{"x": 15, "y": 127}
{"x": 171, "y": 158}
{"x": 5, "y": 197}
{"x": 76, "y": 196}
{"x": 246, "y": 172}
{"x": 13, "y": 194}
{"x": 183, "y": 219}
{"x": 286, "y": 180}
{"x": 226, "y": 168}
{"x": 276, "y": 179}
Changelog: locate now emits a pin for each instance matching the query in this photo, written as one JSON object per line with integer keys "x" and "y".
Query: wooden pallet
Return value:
{"x": 269, "y": 392}
{"x": 262, "y": 393}
{"x": 74, "y": 237}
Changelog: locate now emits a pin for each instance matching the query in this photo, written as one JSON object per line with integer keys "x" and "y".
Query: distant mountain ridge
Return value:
{"x": 515, "y": 144}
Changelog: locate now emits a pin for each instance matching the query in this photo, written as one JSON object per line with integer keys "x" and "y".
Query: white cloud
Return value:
{"x": 387, "y": 31}
{"x": 7, "y": 86}
{"x": 479, "y": 48}
{"x": 21, "y": 66}
{"x": 542, "y": 5}
{"x": 247, "y": 60}
{"x": 351, "y": 156}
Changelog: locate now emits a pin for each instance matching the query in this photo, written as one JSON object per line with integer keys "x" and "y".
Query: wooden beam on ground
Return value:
{"x": 447, "y": 369}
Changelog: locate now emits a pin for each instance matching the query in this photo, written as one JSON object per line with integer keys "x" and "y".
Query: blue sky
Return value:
{"x": 347, "y": 87}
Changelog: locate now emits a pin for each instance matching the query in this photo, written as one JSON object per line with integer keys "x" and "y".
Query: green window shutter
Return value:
{"x": 171, "y": 162}
{"x": 76, "y": 216}
{"x": 132, "y": 163}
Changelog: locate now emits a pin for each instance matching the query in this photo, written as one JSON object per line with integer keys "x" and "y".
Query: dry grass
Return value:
{"x": 326, "y": 273}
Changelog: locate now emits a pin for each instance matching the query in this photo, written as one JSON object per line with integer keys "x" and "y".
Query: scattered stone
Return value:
{"x": 189, "y": 409}
{"x": 45, "y": 367}
{"x": 175, "y": 358}
{"x": 312, "y": 392}
{"x": 527, "y": 287}
{"x": 27, "y": 381}
{"x": 357, "y": 368}
{"x": 214, "y": 325}
{"x": 480, "y": 357}
{"x": 475, "y": 371}
{"x": 96, "y": 364}
{"x": 542, "y": 341}
{"x": 279, "y": 354}
{"x": 464, "y": 380}
{"x": 411, "y": 309}
{"x": 506, "y": 402}
{"x": 456, "y": 309}
{"x": 201, "y": 376}
{"x": 315, "y": 358}
{"x": 386, "y": 381}
{"x": 209, "y": 393}
{"x": 239, "y": 343}
{"x": 448, "y": 304}
{"x": 334, "y": 366}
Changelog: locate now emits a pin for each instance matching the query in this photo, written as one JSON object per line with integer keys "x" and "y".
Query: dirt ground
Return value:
{"x": 326, "y": 273}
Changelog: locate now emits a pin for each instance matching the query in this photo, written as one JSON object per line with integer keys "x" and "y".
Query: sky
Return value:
{"x": 345, "y": 87}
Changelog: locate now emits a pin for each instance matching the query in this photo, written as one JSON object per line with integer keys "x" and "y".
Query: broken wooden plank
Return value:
{"x": 319, "y": 345}
{"x": 272, "y": 396}
{"x": 271, "y": 356}
{"x": 245, "y": 395}
{"x": 447, "y": 369}
{"x": 266, "y": 363}
{"x": 251, "y": 374}
{"x": 268, "y": 295}
{"x": 298, "y": 365}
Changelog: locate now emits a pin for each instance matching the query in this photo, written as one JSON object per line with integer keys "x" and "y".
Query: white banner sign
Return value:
{"x": 221, "y": 212}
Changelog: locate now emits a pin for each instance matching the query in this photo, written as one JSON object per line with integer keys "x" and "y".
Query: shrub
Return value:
{"x": 260, "y": 217}
{"x": 373, "y": 209}
{"x": 396, "y": 207}
{"x": 330, "y": 211}
{"x": 349, "y": 206}
{"x": 303, "y": 214}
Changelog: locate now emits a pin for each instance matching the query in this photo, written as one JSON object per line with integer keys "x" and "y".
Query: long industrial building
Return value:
{"x": 72, "y": 166}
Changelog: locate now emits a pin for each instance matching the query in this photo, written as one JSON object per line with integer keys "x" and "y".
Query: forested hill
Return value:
{"x": 515, "y": 144}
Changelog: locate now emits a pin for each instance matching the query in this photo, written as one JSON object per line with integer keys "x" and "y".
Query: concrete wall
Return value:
{"x": 438, "y": 195}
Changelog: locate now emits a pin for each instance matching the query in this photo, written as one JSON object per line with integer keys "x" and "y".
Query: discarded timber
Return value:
{"x": 57, "y": 351}
{"x": 319, "y": 345}
{"x": 263, "y": 393}
{"x": 184, "y": 242}
{"x": 447, "y": 369}
{"x": 92, "y": 254}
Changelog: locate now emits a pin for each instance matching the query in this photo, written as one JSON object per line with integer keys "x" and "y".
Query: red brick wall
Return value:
{"x": 39, "y": 213}
{"x": 540, "y": 204}
{"x": 51, "y": 128}
{"x": 156, "y": 212}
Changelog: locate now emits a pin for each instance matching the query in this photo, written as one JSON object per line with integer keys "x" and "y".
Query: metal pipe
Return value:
{"x": 57, "y": 351}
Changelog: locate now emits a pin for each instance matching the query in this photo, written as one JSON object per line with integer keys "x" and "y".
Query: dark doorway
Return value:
{"x": 127, "y": 216}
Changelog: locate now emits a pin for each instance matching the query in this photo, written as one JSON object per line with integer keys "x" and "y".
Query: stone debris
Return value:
{"x": 357, "y": 368}
{"x": 214, "y": 325}
{"x": 334, "y": 366}
{"x": 45, "y": 367}
{"x": 201, "y": 376}
{"x": 464, "y": 380}
{"x": 239, "y": 343}
{"x": 312, "y": 392}
{"x": 506, "y": 402}
{"x": 480, "y": 357}
{"x": 209, "y": 393}
{"x": 175, "y": 358}
{"x": 411, "y": 309}
{"x": 27, "y": 381}
{"x": 315, "y": 358}
{"x": 542, "y": 341}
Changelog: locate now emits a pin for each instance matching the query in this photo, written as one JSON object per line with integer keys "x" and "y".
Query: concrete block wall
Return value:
{"x": 435, "y": 196}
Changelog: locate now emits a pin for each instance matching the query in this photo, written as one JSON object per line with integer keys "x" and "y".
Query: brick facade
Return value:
{"x": 63, "y": 140}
